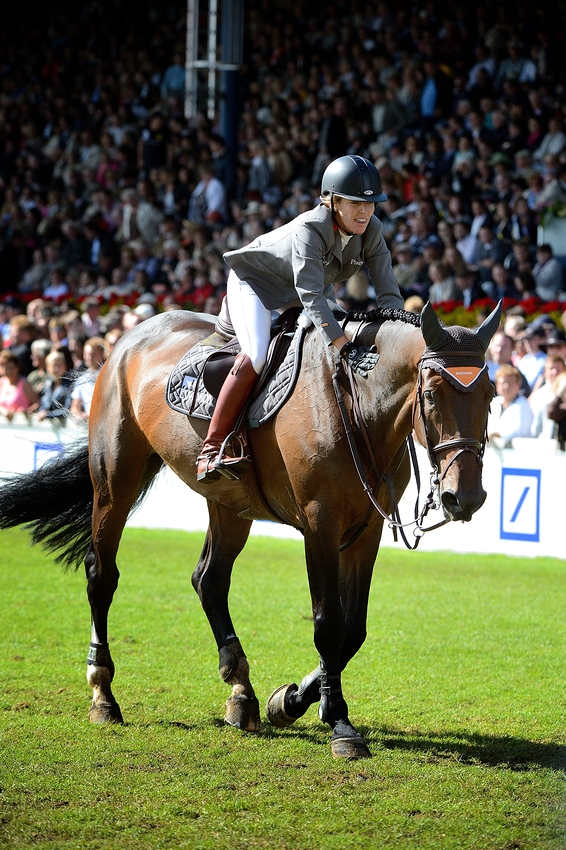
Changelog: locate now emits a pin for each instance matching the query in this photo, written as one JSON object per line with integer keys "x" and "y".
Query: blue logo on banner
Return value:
{"x": 520, "y": 505}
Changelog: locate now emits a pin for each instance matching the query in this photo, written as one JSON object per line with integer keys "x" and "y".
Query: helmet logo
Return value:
{"x": 368, "y": 191}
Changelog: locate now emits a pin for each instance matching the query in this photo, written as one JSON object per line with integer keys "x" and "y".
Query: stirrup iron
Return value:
{"x": 229, "y": 466}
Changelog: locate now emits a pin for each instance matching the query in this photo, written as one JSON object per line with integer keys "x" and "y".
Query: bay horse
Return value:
{"x": 306, "y": 461}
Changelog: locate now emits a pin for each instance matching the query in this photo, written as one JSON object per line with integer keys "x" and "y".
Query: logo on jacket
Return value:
{"x": 357, "y": 262}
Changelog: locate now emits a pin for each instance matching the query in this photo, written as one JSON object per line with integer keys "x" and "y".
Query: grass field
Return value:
{"x": 459, "y": 689}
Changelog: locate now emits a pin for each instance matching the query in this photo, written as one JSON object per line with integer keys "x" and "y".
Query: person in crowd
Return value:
{"x": 469, "y": 289}
{"x": 490, "y": 251}
{"x": 16, "y": 393}
{"x": 207, "y": 204}
{"x": 510, "y": 415}
{"x": 548, "y": 273}
{"x": 500, "y": 353}
{"x": 297, "y": 264}
{"x": 90, "y": 317}
{"x": 94, "y": 355}
{"x": 40, "y": 348}
{"x": 443, "y": 286}
{"x": 405, "y": 267}
{"x": 55, "y": 398}
{"x": 540, "y": 398}
{"x": 556, "y": 411}
{"x": 531, "y": 364}
{"x": 555, "y": 343}
{"x": 500, "y": 286}
{"x": 22, "y": 333}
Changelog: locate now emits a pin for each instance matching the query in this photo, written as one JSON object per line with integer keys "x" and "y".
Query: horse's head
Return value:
{"x": 451, "y": 409}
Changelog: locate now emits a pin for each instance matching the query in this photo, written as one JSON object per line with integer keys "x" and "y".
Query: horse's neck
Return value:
{"x": 387, "y": 397}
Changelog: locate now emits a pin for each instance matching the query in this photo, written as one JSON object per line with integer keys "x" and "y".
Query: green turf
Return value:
{"x": 459, "y": 690}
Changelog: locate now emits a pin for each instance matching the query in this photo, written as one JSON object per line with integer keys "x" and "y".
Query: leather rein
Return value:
{"x": 457, "y": 444}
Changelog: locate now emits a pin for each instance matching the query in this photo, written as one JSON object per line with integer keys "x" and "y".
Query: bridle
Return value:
{"x": 457, "y": 444}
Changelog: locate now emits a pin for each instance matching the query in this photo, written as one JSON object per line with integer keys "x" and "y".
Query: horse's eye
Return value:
{"x": 429, "y": 396}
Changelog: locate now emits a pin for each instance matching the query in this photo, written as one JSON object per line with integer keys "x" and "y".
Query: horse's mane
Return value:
{"x": 383, "y": 315}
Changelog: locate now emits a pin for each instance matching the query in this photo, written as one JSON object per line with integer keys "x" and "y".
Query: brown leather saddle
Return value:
{"x": 219, "y": 362}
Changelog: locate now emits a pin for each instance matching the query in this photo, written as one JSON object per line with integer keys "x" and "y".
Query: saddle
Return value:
{"x": 196, "y": 380}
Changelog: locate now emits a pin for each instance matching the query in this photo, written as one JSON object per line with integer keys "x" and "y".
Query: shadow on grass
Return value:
{"x": 469, "y": 748}
{"x": 457, "y": 746}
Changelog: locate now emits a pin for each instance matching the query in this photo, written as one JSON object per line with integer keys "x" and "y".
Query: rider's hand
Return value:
{"x": 360, "y": 358}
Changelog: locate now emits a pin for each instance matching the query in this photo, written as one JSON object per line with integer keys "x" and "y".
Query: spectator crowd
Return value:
{"x": 114, "y": 206}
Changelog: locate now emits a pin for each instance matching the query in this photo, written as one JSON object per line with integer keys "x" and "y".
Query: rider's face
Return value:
{"x": 352, "y": 217}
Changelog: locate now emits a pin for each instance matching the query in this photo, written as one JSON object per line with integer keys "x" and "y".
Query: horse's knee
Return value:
{"x": 328, "y": 637}
{"x": 353, "y": 642}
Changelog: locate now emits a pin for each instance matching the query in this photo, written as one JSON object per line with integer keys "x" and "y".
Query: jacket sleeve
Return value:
{"x": 308, "y": 271}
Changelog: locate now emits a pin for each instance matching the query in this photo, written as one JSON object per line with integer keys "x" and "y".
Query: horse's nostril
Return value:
{"x": 450, "y": 503}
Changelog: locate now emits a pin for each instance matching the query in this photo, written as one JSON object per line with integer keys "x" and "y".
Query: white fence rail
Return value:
{"x": 524, "y": 513}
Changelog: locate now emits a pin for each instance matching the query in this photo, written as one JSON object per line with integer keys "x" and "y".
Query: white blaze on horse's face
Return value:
{"x": 352, "y": 217}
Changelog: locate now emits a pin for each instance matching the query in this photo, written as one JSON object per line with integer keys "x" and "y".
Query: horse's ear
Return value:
{"x": 432, "y": 331}
{"x": 489, "y": 327}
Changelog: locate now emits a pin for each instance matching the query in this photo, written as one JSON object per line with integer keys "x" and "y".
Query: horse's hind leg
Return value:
{"x": 226, "y": 536}
{"x": 117, "y": 482}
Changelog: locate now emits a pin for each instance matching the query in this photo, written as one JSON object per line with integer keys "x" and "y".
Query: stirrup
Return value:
{"x": 219, "y": 463}
{"x": 229, "y": 466}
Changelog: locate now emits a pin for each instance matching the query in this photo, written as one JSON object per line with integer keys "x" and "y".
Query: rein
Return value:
{"x": 432, "y": 502}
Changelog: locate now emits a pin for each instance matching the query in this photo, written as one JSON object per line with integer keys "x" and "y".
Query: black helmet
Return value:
{"x": 354, "y": 178}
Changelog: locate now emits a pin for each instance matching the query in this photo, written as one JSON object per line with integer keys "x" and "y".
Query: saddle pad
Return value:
{"x": 186, "y": 392}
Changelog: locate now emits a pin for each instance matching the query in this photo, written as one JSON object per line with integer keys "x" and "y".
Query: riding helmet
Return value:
{"x": 353, "y": 178}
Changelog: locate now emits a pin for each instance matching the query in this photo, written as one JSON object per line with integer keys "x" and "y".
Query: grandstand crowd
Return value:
{"x": 114, "y": 206}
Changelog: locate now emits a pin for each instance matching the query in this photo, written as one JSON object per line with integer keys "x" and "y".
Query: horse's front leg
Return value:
{"x": 226, "y": 536}
{"x": 289, "y": 702}
{"x": 329, "y": 634}
{"x": 323, "y": 565}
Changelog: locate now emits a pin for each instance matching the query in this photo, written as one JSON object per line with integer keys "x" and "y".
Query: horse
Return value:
{"x": 331, "y": 462}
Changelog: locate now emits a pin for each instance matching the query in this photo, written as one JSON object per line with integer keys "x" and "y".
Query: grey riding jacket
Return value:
{"x": 305, "y": 257}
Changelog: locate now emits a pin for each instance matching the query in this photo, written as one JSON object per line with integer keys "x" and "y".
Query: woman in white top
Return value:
{"x": 510, "y": 414}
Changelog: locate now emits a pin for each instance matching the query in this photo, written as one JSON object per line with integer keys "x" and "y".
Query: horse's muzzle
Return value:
{"x": 458, "y": 507}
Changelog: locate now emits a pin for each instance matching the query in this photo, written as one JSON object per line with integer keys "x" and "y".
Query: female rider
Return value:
{"x": 298, "y": 263}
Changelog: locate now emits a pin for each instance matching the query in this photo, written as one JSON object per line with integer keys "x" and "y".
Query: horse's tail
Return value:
{"x": 54, "y": 503}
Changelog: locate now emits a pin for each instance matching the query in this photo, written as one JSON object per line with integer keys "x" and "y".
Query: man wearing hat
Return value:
{"x": 556, "y": 344}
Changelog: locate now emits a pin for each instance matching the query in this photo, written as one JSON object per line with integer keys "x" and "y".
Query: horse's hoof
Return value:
{"x": 105, "y": 712}
{"x": 275, "y": 708}
{"x": 349, "y": 748}
{"x": 243, "y": 713}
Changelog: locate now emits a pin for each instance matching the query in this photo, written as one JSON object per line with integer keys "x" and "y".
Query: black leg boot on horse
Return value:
{"x": 213, "y": 461}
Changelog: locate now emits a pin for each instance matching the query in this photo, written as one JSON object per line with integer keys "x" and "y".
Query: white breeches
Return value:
{"x": 250, "y": 319}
